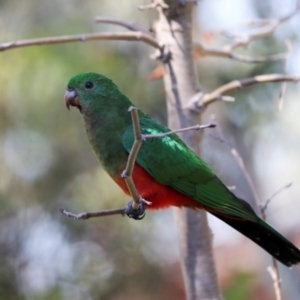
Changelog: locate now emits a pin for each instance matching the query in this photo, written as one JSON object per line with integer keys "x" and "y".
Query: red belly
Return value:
{"x": 161, "y": 196}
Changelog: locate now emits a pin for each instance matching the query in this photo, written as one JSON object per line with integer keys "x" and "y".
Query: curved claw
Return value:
{"x": 136, "y": 214}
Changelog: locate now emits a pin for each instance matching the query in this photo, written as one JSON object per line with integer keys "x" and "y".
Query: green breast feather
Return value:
{"x": 172, "y": 163}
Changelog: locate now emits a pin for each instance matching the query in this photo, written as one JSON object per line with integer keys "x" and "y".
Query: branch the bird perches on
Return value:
{"x": 139, "y": 138}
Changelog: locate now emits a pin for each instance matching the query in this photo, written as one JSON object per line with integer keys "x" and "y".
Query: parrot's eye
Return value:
{"x": 89, "y": 85}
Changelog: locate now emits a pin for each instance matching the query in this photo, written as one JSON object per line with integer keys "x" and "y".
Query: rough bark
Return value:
{"x": 174, "y": 30}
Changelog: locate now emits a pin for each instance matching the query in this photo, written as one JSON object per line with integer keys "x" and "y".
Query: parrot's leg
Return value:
{"x": 136, "y": 214}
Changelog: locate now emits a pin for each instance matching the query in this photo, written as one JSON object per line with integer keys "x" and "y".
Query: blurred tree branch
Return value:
{"x": 264, "y": 27}
{"x": 173, "y": 30}
{"x": 125, "y": 36}
{"x": 201, "y": 100}
{"x": 228, "y": 53}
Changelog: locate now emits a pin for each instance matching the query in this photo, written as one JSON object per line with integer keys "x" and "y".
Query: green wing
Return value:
{"x": 172, "y": 163}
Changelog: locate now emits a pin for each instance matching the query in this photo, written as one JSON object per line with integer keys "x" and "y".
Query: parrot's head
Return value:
{"x": 92, "y": 92}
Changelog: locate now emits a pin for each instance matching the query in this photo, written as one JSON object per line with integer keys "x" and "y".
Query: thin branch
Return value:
{"x": 276, "y": 279}
{"x": 264, "y": 207}
{"x": 129, "y": 26}
{"x": 126, "y": 36}
{"x": 240, "y": 163}
{"x": 265, "y": 28}
{"x": 88, "y": 215}
{"x": 162, "y": 135}
{"x": 227, "y": 53}
{"x": 127, "y": 173}
{"x": 201, "y": 100}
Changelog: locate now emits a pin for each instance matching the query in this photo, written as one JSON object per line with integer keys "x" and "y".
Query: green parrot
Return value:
{"x": 166, "y": 172}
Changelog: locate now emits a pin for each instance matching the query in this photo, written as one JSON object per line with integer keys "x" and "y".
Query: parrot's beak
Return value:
{"x": 71, "y": 99}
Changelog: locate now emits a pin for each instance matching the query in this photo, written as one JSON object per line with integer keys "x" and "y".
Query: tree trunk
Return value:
{"x": 174, "y": 30}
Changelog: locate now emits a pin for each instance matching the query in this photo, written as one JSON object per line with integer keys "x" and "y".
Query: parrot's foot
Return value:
{"x": 136, "y": 214}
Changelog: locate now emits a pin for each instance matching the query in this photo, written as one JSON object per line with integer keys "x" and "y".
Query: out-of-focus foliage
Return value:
{"x": 46, "y": 162}
{"x": 239, "y": 288}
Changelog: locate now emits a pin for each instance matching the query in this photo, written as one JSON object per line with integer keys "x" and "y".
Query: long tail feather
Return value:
{"x": 267, "y": 238}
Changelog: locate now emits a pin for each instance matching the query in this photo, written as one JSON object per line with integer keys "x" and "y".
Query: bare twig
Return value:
{"x": 264, "y": 207}
{"x": 240, "y": 163}
{"x": 265, "y": 27}
{"x": 127, "y": 173}
{"x": 162, "y": 135}
{"x": 227, "y": 53}
{"x": 88, "y": 215}
{"x": 276, "y": 279}
{"x": 127, "y": 36}
{"x": 130, "y": 26}
{"x": 200, "y": 100}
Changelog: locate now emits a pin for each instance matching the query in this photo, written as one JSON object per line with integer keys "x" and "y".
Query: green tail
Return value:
{"x": 267, "y": 238}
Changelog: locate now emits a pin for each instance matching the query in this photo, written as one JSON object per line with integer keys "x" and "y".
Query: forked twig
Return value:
{"x": 265, "y": 27}
{"x": 127, "y": 173}
{"x": 264, "y": 207}
{"x": 139, "y": 138}
{"x": 201, "y": 100}
{"x": 260, "y": 28}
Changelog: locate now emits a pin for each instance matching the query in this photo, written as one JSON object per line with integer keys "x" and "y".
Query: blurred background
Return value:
{"x": 46, "y": 162}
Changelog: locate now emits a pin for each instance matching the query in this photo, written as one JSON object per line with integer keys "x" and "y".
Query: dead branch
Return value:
{"x": 265, "y": 27}
{"x": 227, "y": 53}
{"x": 264, "y": 207}
{"x": 238, "y": 158}
{"x": 201, "y": 100}
{"x": 276, "y": 279}
{"x": 127, "y": 173}
{"x": 126, "y": 36}
{"x": 88, "y": 215}
{"x": 162, "y": 135}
